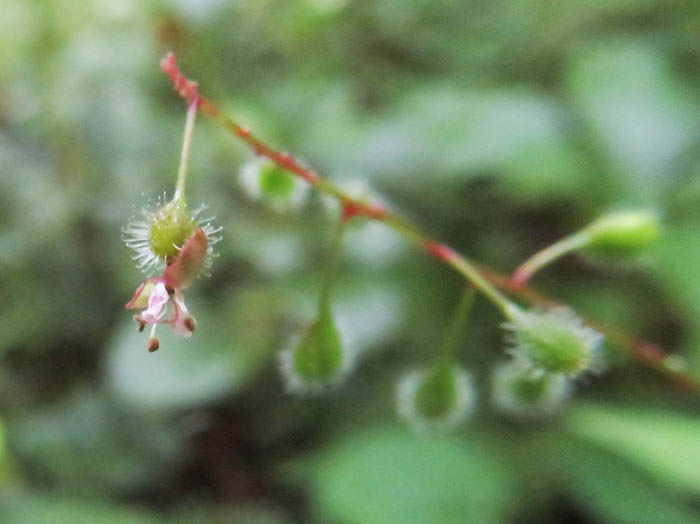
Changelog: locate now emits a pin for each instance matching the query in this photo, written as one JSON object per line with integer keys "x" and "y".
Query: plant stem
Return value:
{"x": 481, "y": 278}
{"x": 542, "y": 258}
{"x": 185, "y": 154}
{"x": 460, "y": 316}
{"x": 332, "y": 263}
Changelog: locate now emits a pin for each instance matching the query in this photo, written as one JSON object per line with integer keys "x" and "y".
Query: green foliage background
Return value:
{"x": 499, "y": 126}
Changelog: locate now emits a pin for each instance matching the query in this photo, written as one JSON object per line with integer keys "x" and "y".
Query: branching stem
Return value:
{"x": 527, "y": 269}
{"x": 483, "y": 279}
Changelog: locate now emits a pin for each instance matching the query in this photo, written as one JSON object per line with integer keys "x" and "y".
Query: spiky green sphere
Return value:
{"x": 170, "y": 228}
{"x": 555, "y": 341}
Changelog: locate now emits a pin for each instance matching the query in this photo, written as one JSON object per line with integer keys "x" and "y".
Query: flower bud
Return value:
{"x": 265, "y": 181}
{"x": 624, "y": 232}
{"x": 439, "y": 398}
{"x": 524, "y": 393}
{"x": 318, "y": 359}
{"x": 554, "y": 341}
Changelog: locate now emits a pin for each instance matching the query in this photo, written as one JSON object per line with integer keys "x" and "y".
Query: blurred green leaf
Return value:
{"x": 7, "y": 475}
{"x": 89, "y": 443}
{"x": 637, "y": 108}
{"x": 666, "y": 445}
{"x": 616, "y": 490}
{"x": 33, "y": 509}
{"x": 454, "y": 134}
{"x": 677, "y": 253}
{"x": 391, "y": 475}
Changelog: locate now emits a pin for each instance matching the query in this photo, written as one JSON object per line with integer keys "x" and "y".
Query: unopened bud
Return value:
{"x": 318, "y": 359}
{"x": 555, "y": 341}
{"x": 437, "y": 398}
{"x": 523, "y": 393}
{"x": 624, "y": 232}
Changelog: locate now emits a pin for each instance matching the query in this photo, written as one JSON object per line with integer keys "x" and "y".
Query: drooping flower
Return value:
{"x": 161, "y": 298}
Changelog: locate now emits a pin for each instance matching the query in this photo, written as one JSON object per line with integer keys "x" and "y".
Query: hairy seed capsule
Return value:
{"x": 555, "y": 341}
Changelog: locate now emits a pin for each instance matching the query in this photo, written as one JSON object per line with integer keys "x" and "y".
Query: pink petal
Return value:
{"x": 158, "y": 299}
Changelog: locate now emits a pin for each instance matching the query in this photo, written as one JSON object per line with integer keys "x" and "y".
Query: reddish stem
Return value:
{"x": 442, "y": 252}
{"x": 647, "y": 352}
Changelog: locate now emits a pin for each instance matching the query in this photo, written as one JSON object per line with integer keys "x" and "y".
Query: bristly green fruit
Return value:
{"x": 624, "y": 232}
{"x": 170, "y": 228}
{"x": 555, "y": 341}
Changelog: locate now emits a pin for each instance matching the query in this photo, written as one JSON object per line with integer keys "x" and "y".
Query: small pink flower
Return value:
{"x": 161, "y": 298}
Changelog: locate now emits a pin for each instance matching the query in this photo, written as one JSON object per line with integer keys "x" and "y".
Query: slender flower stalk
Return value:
{"x": 176, "y": 240}
{"x": 332, "y": 264}
{"x": 566, "y": 245}
{"x": 622, "y": 232}
{"x": 482, "y": 278}
{"x": 321, "y": 355}
{"x": 185, "y": 154}
{"x": 460, "y": 316}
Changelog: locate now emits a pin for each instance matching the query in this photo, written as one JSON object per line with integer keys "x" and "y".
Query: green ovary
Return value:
{"x": 170, "y": 229}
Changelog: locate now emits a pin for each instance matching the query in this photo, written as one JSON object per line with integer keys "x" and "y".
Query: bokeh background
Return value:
{"x": 500, "y": 126}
